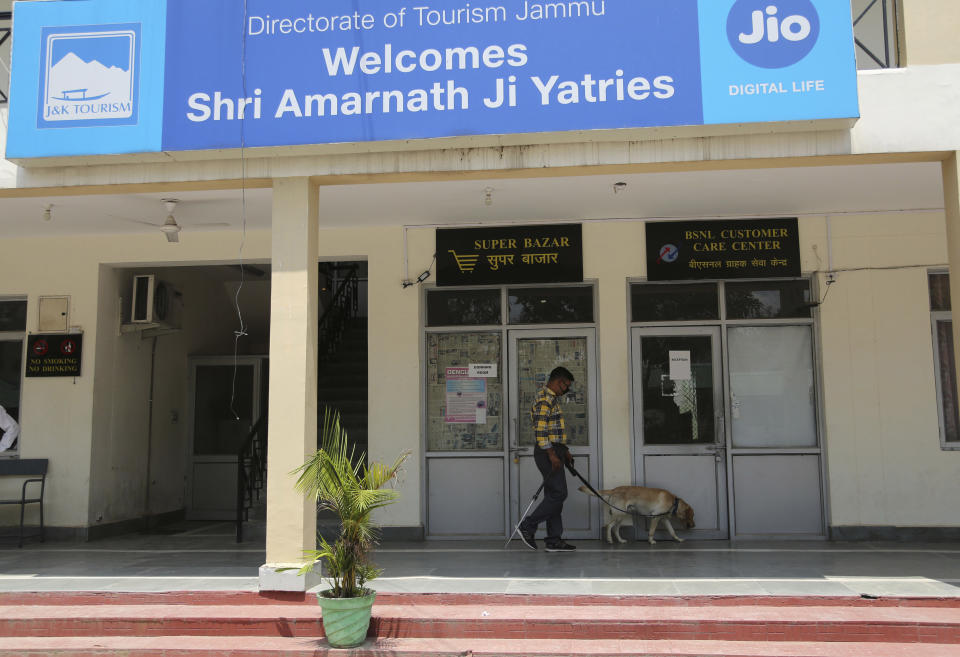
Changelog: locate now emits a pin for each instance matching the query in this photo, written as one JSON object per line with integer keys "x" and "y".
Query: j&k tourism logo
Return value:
{"x": 90, "y": 75}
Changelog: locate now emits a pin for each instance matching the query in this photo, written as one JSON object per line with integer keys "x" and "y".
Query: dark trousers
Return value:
{"x": 554, "y": 493}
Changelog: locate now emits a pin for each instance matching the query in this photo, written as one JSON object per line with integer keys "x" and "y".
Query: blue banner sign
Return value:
{"x": 116, "y": 76}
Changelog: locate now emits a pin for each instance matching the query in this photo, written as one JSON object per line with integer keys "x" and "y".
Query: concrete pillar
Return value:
{"x": 927, "y": 32}
{"x": 951, "y": 204}
{"x": 291, "y": 519}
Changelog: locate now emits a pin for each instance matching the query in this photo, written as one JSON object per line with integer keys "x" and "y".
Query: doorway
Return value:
{"x": 678, "y": 414}
{"x": 532, "y": 355}
{"x": 725, "y": 405}
{"x": 225, "y": 402}
{"x": 480, "y": 384}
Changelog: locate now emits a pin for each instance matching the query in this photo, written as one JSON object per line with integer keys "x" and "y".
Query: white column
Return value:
{"x": 951, "y": 204}
{"x": 291, "y": 519}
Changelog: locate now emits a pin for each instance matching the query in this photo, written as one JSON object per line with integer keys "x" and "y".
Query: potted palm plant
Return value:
{"x": 352, "y": 491}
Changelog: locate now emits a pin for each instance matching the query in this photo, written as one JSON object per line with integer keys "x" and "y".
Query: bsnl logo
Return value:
{"x": 773, "y": 35}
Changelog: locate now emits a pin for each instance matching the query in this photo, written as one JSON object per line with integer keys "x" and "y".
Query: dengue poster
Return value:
{"x": 466, "y": 397}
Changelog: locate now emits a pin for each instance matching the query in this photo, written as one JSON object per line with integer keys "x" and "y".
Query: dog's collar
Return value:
{"x": 676, "y": 505}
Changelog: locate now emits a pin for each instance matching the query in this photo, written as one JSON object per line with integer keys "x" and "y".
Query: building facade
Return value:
{"x": 813, "y": 401}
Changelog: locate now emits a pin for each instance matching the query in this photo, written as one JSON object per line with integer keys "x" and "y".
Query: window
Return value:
{"x": 463, "y": 307}
{"x": 875, "y": 32}
{"x": 13, "y": 326}
{"x": 768, "y": 300}
{"x": 744, "y": 300}
{"x": 654, "y": 302}
{"x": 455, "y": 421}
{"x": 943, "y": 355}
{"x": 551, "y": 305}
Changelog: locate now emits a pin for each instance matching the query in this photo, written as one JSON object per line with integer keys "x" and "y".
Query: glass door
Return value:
{"x": 466, "y": 480}
{"x": 775, "y": 451}
{"x": 533, "y": 354}
{"x": 679, "y": 420}
{"x": 225, "y": 404}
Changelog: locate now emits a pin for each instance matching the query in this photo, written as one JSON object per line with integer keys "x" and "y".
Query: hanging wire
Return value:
{"x": 242, "y": 329}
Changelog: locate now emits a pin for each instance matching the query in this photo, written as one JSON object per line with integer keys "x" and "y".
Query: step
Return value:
{"x": 11, "y": 598}
{"x": 633, "y": 622}
{"x": 272, "y": 646}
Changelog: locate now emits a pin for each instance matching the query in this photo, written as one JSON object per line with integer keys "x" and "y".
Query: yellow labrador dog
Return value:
{"x": 656, "y": 502}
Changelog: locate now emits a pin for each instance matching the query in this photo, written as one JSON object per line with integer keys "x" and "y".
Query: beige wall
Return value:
{"x": 928, "y": 32}
{"x": 614, "y": 252}
{"x": 121, "y": 389}
{"x": 883, "y": 447}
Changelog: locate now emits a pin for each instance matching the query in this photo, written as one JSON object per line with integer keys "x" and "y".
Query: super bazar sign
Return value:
{"x": 179, "y": 75}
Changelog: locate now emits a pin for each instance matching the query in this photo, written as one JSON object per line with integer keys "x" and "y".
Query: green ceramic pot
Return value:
{"x": 346, "y": 620}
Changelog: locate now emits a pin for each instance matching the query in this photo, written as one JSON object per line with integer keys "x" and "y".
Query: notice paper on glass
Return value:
{"x": 466, "y": 398}
{"x": 483, "y": 370}
{"x": 680, "y": 366}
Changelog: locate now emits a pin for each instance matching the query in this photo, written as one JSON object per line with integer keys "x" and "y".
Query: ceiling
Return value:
{"x": 735, "y": 193}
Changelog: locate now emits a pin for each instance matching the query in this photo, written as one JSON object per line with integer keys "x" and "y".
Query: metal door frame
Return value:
{"x": 427, "y": 455}
{"x": 593, "y": 451}
{"x": 504, "y": 329}
{"x": 723, "y": 324}
{"x": 721, "y": 451}
{"x": 817, "y": 449}
{"x": 200, "y": 361}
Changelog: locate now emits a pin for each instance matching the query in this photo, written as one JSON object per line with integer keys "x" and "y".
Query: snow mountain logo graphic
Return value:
{"x": 90, "y": 75}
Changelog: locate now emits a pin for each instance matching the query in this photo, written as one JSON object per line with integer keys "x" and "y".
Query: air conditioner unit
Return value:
{"x": 154, "y": 302}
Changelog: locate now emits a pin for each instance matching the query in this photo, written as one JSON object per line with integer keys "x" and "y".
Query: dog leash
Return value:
{"x": 573, "y": 471}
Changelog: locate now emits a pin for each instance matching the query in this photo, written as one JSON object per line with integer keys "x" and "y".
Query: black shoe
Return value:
{"x": 562, "y": 546}
{"x": 528, "y": 539}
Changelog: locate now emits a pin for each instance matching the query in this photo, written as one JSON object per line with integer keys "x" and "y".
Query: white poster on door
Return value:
{"x": 680, "y": 366}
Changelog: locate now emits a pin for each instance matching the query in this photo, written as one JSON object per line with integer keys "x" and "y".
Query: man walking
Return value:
{"x": 550, "y": 454}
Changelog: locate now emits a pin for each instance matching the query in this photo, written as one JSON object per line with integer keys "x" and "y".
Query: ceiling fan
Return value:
{"x": 170, "y": 228}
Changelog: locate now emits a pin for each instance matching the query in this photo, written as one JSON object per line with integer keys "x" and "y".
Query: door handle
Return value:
{"x": 515, "y": 453}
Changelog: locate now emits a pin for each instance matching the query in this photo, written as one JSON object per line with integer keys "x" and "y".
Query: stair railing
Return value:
{"x": 343, "y": 308}
{"x": 251, "y": 472}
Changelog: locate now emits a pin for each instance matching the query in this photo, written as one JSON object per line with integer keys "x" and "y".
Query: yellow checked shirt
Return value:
{"x": 547, "y": 419}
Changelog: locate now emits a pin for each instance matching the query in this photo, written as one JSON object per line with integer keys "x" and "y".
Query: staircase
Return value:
{"x": 342, "y": 384}
{"x": 252, "y": 479}
{"x": 287, "y": 624}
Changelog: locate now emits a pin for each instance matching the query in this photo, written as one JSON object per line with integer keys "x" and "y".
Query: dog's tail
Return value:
{"x": 584, "y": 489}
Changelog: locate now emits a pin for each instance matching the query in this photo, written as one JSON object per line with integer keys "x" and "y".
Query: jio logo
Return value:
{"x": 775, "y": 33}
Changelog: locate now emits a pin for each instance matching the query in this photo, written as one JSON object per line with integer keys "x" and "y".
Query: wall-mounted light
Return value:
{"x": 47, "y": 212}
{"x": 619, "y": 187}
{"x": 488, "y": 196}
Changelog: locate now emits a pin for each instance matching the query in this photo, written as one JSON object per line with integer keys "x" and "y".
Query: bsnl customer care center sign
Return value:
{"x": 739, "y": 248}
{"x": 127, "y": 76}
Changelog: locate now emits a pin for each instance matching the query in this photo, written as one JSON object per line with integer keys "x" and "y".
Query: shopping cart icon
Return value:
{"x": 466, "y": 263}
